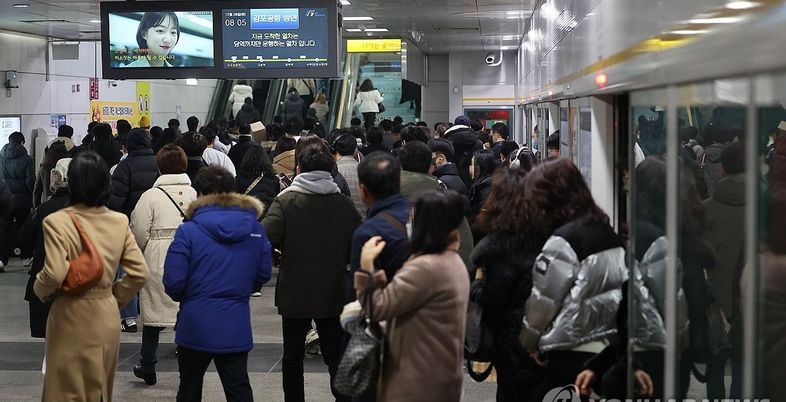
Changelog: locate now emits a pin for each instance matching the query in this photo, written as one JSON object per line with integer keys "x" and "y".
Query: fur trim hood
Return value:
{"x": 226, "y": 200}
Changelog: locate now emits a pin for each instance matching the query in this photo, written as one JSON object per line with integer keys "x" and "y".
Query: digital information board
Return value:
{"x": 275, "y": 38}
{"x": 9, "y": 124}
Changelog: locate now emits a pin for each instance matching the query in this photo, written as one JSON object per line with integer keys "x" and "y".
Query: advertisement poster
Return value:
{"x": 9, "y": 124}
{"x": 111, "y": 112}
{"x": 143, "y": 101}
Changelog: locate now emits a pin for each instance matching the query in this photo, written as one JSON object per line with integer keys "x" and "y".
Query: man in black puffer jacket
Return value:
{"x": 447, "y": 172}
{"x": 465, "y": 143}
{"x": 17, "y": 170}
{"x": 135, "y": 174}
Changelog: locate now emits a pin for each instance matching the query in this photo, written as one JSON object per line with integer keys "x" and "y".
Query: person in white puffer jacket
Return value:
{"x": 240, "y": 92}
{"x": 367, "y": 101}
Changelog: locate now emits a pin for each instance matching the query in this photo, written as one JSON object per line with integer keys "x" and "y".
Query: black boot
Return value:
{"x": 150, "y": 378}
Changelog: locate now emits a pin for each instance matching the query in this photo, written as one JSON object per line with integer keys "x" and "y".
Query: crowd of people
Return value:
{"x": 405, "y": 224}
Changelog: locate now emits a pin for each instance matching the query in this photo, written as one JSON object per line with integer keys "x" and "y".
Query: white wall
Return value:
{"x": 472, "y": 82}
{"x": 435, "y": 95}
{"x": 37, "y": 99}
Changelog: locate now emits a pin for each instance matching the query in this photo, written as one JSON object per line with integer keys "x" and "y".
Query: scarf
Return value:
{"x": 316, "y": 182}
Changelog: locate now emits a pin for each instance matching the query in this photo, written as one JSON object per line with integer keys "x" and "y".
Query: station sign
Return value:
{"x": 373, "y": 45}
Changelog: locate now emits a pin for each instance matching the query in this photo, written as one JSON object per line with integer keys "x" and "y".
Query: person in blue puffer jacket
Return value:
{"x": 219, "y": 256}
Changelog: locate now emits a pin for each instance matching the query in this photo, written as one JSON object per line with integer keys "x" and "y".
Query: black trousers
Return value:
{"x": 563, "y": 367}
{"x": 232, "y": 369}
{"x": 330, "y": 337}
{"x": 8, "y": 230}
{"x": 150, "y": 336}
{"x": 369, "y": 119}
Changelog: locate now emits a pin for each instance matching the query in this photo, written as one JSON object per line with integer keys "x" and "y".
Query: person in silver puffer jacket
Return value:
{"x": 577, "y": 277}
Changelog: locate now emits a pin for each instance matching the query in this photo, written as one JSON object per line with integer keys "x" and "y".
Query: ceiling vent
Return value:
{"x": 45, "y": 21}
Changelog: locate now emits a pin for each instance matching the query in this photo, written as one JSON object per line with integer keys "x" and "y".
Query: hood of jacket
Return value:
{"x": 173, "y": 180}
{"x": 730, "y": 190}
{"x": 247, "y": 108}
{"x": 293, "y": 97}
{"x": 138, "y": 139}
{"x": 448, "y": 169}
{"x": 462, "y": 137}
{"x": 227, "y": 217}
{"x": 13, "y": 151}
{"x": 316, "y": 183}
{"x": 243, "y": 91}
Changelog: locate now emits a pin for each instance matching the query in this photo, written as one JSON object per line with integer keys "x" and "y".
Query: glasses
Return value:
{"x": 433, "y": 161}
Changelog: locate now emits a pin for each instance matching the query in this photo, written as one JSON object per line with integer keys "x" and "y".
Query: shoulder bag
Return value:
{"x": 182, "y": 215}
{"x": 478, "y": 341}
{"x": 253, "y": 184}
{"x": 87, "y": 269}
{"x": 359, "y": 368}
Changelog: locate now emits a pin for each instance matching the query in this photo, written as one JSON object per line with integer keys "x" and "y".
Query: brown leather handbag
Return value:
{"x": 87, "y": 269}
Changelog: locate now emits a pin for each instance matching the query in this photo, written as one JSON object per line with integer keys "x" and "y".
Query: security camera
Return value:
{"x": 113, "y": 83}
{"x": 491, "y": 58}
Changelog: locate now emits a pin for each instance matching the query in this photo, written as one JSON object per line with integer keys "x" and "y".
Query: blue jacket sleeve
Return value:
{"x": 360, "y": 238}
{"x": 177, "y": 265}
{"x": 265, "y": 266}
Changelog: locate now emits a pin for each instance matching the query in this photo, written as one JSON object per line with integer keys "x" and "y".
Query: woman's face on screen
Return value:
{"x": 162, "y": 37}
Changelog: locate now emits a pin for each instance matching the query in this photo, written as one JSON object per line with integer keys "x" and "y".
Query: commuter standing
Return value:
{"x": 447, "y": 171}
{"x": 41, "y": 189}
{"x": 294, "y": 108}
{"x": 6, "y": 220}
{"x": 284, "y": 160}
{"x": 465, "y": 144}
{"x": 483, "y": 166}
{"x": 344, "y": 147}
{"x": 133, "y": 176}
{"x": 240, "y": 92}
{"x": 193, "y": 124}
{"x": 583, "y": 258}
{"x": 500, "y": 137}
{"x": 367, "y": 101}
{"x": 376, "y": 141}
{"x": 504, "y": 258}
{"x": 194, "y": 145}
{"x": 244, "y": 142}
{"x": 553, "y": 145}
{"x": 18, "y": 172}
{"x": 212, "y": 156}
{"x": 154, "y": 221}
{"x": 321, "y": 109}
{"x": 424, "y": 305}
{"x": 256, "y": 176}
{"x": 64, "y": 135}
{"x": 248, "y": 113}
{"x": 32, "y": 234}
{"x": 83, "y": 337}
{"x": 217, "y": 259}
{"x": 315, "y": 250}
{"x": 105, "y": 146}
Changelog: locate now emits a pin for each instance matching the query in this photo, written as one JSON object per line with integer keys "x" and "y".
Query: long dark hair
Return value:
{"x": 505, "y": 209}
{"x": 556, "y": 195}
{"x": 151, "y": 19}
{"x": 437, "y": 214}
{"x": 366, "y": 86}
{"x": 56, "y": 152}
{"x": 255, "y": 163}
{"x": 89, "y": 180}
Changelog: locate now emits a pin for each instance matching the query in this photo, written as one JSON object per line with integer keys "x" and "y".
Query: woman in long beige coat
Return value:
{"x": 154, "y": 221}
{"x": 83, "y": 334}
{"x": 425, "y": 305}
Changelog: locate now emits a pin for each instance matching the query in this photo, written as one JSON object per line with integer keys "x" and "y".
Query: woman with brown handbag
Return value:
{"x": 83, "y": 249}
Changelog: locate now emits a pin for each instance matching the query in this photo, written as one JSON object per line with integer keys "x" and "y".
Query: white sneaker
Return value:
{"x": 256, "y": 294}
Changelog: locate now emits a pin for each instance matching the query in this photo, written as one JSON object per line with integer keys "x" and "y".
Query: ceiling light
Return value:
{"x": 512, "y": 17}
{"x": 715, "y": 20}
{"x": 358, "y": 19}
{"x": 345, "y": 3}
{"x": 509, "y": 37}
{"x": 376, "y": 30}
{"x": 21, "y": 5}
{"x": 191, "y": 81}
{"x": 505, "y": 47}
{"x": 689, "y": 32}
{"x": 549, "y": 11}
{"x": 742, "y": 5}
{"x": 354, "y": 30}
{"x": 95, "y": 21}
{"x": 512, "y": 13}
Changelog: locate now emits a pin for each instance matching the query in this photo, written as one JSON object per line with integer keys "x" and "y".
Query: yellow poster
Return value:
{"x": 143, "y": 101}
{"x": 111, "y": 112}
{"x": 373, "y": 45}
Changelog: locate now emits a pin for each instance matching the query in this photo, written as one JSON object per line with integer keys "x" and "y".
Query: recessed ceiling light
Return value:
{"x": 505, "y": 47}
{"x": 21, "y": 5}
{"x": 742, "y": 5}
{"x": 509, "y": 37}
{"x": 345, "y": 3}
{"x": 512, "y": 13}
{"x": 354, "y": 30}
{"x": 192, "y": 81}
{"x": 715, "y": 20}
{"x": 689, "y": 32}
{"x": 358, "y": 19}
{"x": 376, "y": 30}
{"x": 512, "y": 17}
{"x": 95, "y": 21}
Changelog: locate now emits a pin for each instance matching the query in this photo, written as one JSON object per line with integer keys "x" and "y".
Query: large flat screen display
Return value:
{"x": 220, "y": 39}
{"x": 166, "y": 39}
{"x": 275, "y": 38}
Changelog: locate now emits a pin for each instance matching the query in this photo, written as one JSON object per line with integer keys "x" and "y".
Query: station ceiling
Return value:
{"x": 435, "y": 26}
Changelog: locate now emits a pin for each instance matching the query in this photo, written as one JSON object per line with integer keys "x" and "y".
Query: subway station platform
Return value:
{"x": 21, "y": 356}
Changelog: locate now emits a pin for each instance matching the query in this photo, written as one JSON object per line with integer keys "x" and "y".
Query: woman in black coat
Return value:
{"x": 256, "y": 176}
{"x": 504, "y": 282}
{"x": 32, "y": 236}
{"x": 482, "y": 168}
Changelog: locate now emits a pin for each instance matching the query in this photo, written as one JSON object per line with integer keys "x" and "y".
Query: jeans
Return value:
{"x": 330, "y": 337}
{"x": 130, "y": 310}
{"x": 232, "y": 369}
{"x": 149, "y": 348}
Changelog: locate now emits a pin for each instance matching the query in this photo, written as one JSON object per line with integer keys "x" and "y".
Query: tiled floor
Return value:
{"x": 21, "y": 357}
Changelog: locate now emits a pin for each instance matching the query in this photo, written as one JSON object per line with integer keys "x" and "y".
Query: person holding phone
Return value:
{"x": 157, "y": 35}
